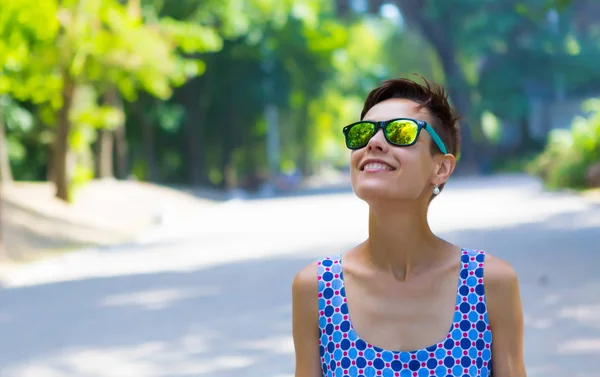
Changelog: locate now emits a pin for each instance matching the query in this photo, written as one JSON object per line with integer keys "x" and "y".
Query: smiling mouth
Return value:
{"x": 377, "y": 166}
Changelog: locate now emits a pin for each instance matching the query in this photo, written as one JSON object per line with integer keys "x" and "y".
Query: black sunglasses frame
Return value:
{"x": 383, "y": 125}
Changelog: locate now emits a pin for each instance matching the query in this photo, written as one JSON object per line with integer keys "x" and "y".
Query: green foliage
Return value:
{"x": 198, "y": 76}
{"x": 88, "y": 113}
{"x": 95, "y": 41}
{"x": 569, "y": 153}
{"x": 18, "y": 122}
{"x": 23, "y": 139}
{"x": 15, "y": 117}
{"x": 25, "y": 24}
{"x": 96, "y": 45}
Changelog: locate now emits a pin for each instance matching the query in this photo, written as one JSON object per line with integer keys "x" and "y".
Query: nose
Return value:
{"x": 378, "y": 142}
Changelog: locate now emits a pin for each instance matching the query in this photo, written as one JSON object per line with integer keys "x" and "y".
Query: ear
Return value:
{"x": 445, "y": 165}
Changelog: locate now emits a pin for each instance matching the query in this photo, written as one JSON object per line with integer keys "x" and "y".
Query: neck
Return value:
{"x": 400, "y": 240}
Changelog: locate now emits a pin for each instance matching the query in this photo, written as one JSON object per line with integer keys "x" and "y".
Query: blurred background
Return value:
{"x": 167, "y": 166}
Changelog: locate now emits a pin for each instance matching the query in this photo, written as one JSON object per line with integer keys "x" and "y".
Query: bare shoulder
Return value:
{"x": 501, "y": 289}
{"x": 305, "y": 321}
{"x": 305, "y": 285}
{"x": 505, "y": 317}
{"x": 499, "y": 274}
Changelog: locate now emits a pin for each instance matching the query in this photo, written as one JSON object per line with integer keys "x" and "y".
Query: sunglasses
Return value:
{"x": 401, "y": 132}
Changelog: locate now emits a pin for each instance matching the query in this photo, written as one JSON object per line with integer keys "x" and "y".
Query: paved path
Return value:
{"x": 217, "y": 301}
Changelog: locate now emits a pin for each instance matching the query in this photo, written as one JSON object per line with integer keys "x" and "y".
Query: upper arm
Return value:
{"x": 305, "y": 322}
{"x": 505, "y": 314}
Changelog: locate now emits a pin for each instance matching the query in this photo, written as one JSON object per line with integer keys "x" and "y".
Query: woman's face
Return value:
{"x": 383, "y": 171}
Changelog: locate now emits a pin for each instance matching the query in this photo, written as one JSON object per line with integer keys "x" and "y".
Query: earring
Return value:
{"x": 436, "y": 190}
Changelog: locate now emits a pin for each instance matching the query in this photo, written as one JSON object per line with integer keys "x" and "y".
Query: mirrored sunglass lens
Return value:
{"x": 360, "y": 134}
{"x": 402, "y": 132}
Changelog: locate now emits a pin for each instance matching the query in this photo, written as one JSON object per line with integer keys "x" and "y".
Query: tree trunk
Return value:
{"x": 5, "y": 178}
{"x": 193, "y": 148}
{"x": 436, "y": 33}
{"x": 459, "y": 92}
{"x": 374, "y": 6}
{"x": 305, "y": 138}
{"x": 60, "y": 169}
{"x": 121, "y": 151}
{"x": 197, "y": 100}
{"x": 228, "y": 167}
{"x": 112, "y": 143}
{"x": 120, "y": 147}
{"x": 3, "y": 251}
{"x": 147, "y": 134}
{"x": 5, "y": 170}
{"x": 105, "y": 154}
{"x": 526, "y": 142}
{"x": 343, "y": 7}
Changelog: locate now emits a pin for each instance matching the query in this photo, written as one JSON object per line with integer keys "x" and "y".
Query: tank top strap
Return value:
{"x": 330, "y": 269}
{"x": 331, "y": 288}
{"x": 472, "y": 263}
{"x": 471, "y": 292}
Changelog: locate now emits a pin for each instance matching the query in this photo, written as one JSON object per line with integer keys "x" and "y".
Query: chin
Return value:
{"x": 373, "y": 191}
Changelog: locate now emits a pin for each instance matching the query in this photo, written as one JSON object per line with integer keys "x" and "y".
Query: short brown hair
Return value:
{"x": 428, "y": 95}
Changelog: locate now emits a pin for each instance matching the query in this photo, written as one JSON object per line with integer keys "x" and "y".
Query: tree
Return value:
{"x": 465, "y": 34}
{"x": 274, "y": 53}
{"x": 99, "y": 44}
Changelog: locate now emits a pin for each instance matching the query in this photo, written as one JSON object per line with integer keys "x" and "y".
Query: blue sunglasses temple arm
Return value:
{"x": 436, "y": 138}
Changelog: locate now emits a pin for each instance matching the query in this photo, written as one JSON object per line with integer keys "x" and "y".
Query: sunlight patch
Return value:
{"x": 153, "y": 359}
{"x": 587, "y": 314}
{"x": 156, "y": 299}
{"x": 540, "y": 323}
{"x": 552, "y": 299}
{"x": 581, "y": 346}
{"x": 541, "y": 370}
{"x": 280, "y": 345}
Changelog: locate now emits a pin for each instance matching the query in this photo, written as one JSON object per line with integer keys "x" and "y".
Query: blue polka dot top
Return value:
{"x": 465, "y": 352}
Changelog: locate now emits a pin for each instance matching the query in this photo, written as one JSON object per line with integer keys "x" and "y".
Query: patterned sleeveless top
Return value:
{"x": 465, "y": 351}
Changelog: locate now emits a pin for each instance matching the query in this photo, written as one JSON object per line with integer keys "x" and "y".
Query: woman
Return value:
{"x": 394, "y": 308}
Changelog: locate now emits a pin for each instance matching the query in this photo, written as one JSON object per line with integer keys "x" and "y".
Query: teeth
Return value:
{"x": 377, "y": 166}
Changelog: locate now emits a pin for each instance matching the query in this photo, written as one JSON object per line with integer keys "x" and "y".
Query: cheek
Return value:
{"x": 406, "y": 156}
{"x": 414, "y": 162}
{"x": 355, "y": 157}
